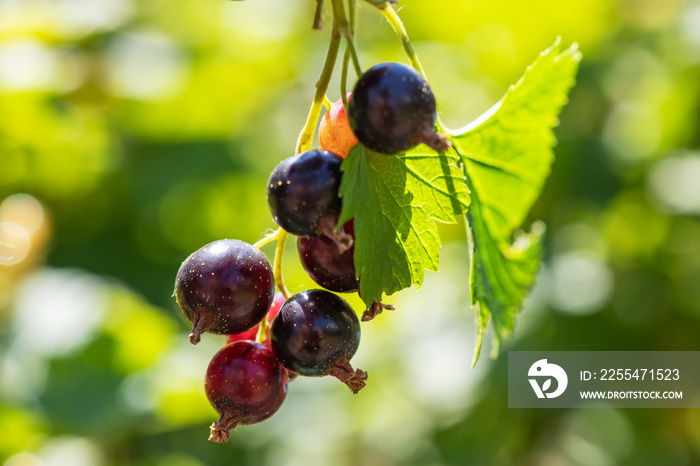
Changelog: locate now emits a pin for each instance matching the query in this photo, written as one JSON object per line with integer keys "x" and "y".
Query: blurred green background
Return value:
{"x": 134, "y": 132}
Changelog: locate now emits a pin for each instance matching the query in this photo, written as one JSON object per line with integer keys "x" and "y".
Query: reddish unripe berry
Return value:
{"x": 246, "y": 384}
{"x": 335, "y": 134}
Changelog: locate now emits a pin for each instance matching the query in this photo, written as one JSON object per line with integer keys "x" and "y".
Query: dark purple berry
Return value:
{"x": 303, "y": 193}
{"x": 245, "y": 384}
{"x": 392, "y": 109}
{"x": 316, "y": 333}
{"x": 252, "y": 333}
{"x": 225, "y": 287}
{"x": 326, "y": 265}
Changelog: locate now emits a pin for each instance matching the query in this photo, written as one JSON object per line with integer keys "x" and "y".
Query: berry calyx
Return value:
{"x": 245, "y": 384}
{"x": 326, "y": 265}
{"x": 392, "y": 109}
{"x": 334, "y": 133}
{"x": 251, "y": 334}
{"x": 316, "y": 333}
{"x": 303, "y": 192}
{"x": 341, "y": 369}
{"x": 225, "y": 287}
{"x": 375, "y": 309}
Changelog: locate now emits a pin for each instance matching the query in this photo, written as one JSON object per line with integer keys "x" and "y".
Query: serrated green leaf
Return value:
{"x": 395, "y": 201}
{"x": 507, "y": 155}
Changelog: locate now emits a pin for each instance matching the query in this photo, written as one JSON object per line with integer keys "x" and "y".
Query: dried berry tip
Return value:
{"x": 227, "y": 422}
{"x": 343, "y": 371}
{"x": 202, "y": 321}
{"x": 425, "y": 135}
{"x": 375, "y": 309}
{"x": 341, "y": 239}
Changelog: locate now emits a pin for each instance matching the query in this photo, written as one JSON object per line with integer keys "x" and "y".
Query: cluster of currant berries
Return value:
{"x": 228, "y": 286}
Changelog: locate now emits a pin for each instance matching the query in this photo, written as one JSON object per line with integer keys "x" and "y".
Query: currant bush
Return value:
{"x": 227, "y": 286}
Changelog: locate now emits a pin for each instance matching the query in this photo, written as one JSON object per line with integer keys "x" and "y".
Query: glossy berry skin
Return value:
{"x": 391, "y": 108}
{"x": 246, "y": 384}
{"x": 334, "y": 133}
{"x": 328, "y": 267}
{"x": 303, "y": 190}
{"x": 225, "y": 287}
{"x": 313, "y": 330}
{"x": 252, "y": 333}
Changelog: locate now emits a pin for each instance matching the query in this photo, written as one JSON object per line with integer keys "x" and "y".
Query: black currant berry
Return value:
{"x": 246, "y": 384}
{"x": 303, "y": 194}
{"x": 316, "y": 333}
{"x": 225, "y": 287}
{"x": 326, "y": 265}
{"x": 252, "y": 333}
{"x": 392, "y": 109}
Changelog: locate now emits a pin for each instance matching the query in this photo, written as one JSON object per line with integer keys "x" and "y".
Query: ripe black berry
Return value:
{"x": 303, "y": 195}
{"x": 245, "y": 384}
{"x": 316, "y": 333}
{"x": 326, "y": 265}
{"x": 225, "y": 287}
{"x": 392, "y": 109}
{"x": 252, "y": 333}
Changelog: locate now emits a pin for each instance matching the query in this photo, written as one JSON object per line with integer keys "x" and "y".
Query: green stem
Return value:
{"x": 352, "y": 8}
{"x": 398, "y": 27}
{"x": 346, "y": 30}
{"x": 396, "y": 24}
{"x": 279, "y": 253}
{"x": 353, "y": 55}
{"x": 307, "y": 133}
{"x": 346, "y": 59}
{"x": 344, "y": 79}
{"x": 318, "y": 16}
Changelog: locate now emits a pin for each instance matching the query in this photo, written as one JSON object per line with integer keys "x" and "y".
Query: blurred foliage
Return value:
{"x": 139, "y": 131}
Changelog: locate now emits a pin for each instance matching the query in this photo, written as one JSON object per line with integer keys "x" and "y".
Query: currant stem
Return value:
{"x": 307, "y": 133}
{"x": 326, "y": 102}
{"x": 279, "y": 253}
{"x": 267, "y": 239}
{"x": 318, "y": 16}
{"x": 397, "y": 25}
{"x": 344, "y": 80}
{"x": 262, "y": 331}
{"x": 346, "y": 30}
{"x": 346, "y": 58}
